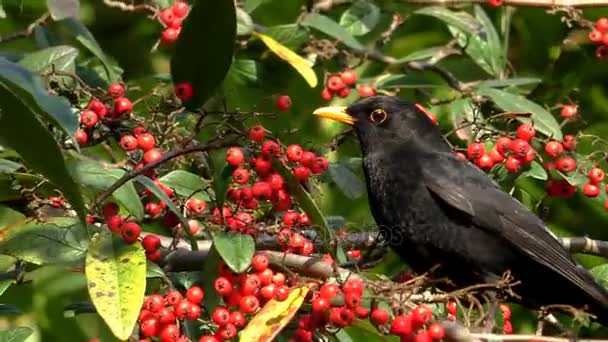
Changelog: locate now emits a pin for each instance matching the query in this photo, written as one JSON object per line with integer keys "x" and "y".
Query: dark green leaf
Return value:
{"x": 360, "y": 18}
{"x": 20, "y": 129}
{"x": 19, "y": 334}
{"x": 243, "y": 72}
{"x": 536, "y": 171}
{"x": 163, "y": 3}
{"x": 244, "y": 24}
{"x": 290, "y": 35}
{"x": 61, "y": 9}
{"x": 85, "y": 37}
{"x": 220, "y": 184}
{"x": 332, "y": 29}
{"x": 204, "y": 50}
{"x": 496, "y": 56}
{"x": 509, "y": 82}
{"x": 463, "y": 111}
{"x": 346, "y": 180}
{"x": 211, "y": 270}
{"x": 235, "y": 249}
{"x": 601, "y": 274}
{"x": 251, "y": 5}
{"x": 96, "y": 175}
{"x": 402, "y": 81}
{"x": 9, "y": 166}
{"x": 419, "y": 54}
{"x": 6, "y": 309}
{"x": 32, "y": 93}
{"x": 9, "y": 216}
{"x": 183, "y": 182}
{"x": 7, "y": 192}
{"x": 459, "y": 19}
{"x": 153, "y": 270}
{"x": 59, "y": 58}
{"x": 59, "y": 240}
{"x": 575, "y": 179}
{"x": 543, "y": 121}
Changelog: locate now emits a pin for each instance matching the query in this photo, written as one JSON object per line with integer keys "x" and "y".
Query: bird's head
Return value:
{"x": 381, "y": 120}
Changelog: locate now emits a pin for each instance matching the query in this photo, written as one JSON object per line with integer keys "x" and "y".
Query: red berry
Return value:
{"x": 208, "y": 338}
{"x": 361, "y": 312}
{"x": 227, "y": 332}
{"x": 568, "y": 111}
{"x": 128, "y": 143}
{"x": 344, "y": 92}
{"x": 495, "y": 155}
{"x": 166, "y": 16}
{"x": 436, "y": 331}
{"x": 261, "y": 190}
{"x": 249, "y": 304}
{"x": 278, "y": 279}
{"x": 353, "y": 285}
{"x": 184, "y": 91}
{"x": 460, "y": 155}
{"x": 169, "y": 36}
{"x": 169, "y": 333}
{"x": 423, "y": 335}
{"x": 240, "y": 176}
{"x": 151, "y": 243}
{"x": 259, "y": 262}
{"x": 569, "y": 142}
{"x": 283, "y": 102}
{"x": 319, "y": 165}
{"x": 195, "y": 295}
{"x": 302, "y": 173}
{"x": 401, "y": 325}
{"x": 275, "y": 180}
{"x": 485, "y": 162}
{"x": 268, "y": 292}
{"x": 122, "y": 106}
{"x": 130, "y": 232}
{"x": 282, "y": 291}
{"x": 421, "y": 315}
{"x": 512, "y": 164}
{"x": 153, "y": 209}
{"x": 349, "y": 77}
{"x": 326, "y": 94}
{"x": 146, "y": 141}
{"x": 220, "y": 316}
{"x": 595, "y": 36}
{"x": 526, "y": 132}
{"x": 270, "y": 149}
{"x": 238, "y": 319}
{"x": 506, "y": 311}
{"x": 520, "y": 147}
{"x": 256, "y": 133}
{"x": 116, "y": 90}
{"x": 503, "y": 145}
{"x": 223, "y": 286}
{"x": 475, "y": 151}
{"x": 335, "y": 83}
{"x": 565, "y": 164}
{"x": 180, "y": 9}
{"x": 602, "y": 24}
{"x": 173, "y": 297}
{"x": 262, "y": 166}
{"x": 507, "y": 327}
{"x": 150, "y": 327}
{"x": 81, "y": 137}
{"x": 366, "y": 90}
{"x": 152, "y": 156}
{"x": 110, "y": 209}
{"x": 596, "y": 175}
{"x": 554, "y": 149}
{"x": 451, "y": 308}
{"x": 234, "y": 156}
{"x": 88, "y": 118}
{"x": 495, "y": 3}
{"x": 591, "y": 190}
{"x": 114, "y": 223}
{"x": 601, "y": 52}
{"x": 379, "y": 316}
{"x": 98, "y": 107}
{"x": 329, "y": 290}
{"x": 196, "y": 205}
{"x": 352, "y": 300}
{"x": 294, "y": 153}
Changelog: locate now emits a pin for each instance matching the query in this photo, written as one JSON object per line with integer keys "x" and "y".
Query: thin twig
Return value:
{"x": 28, "y": 31}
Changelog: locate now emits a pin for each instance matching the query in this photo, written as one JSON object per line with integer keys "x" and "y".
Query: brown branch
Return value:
{"x": 28, "y": 31}
{"x": 130, "y": 8}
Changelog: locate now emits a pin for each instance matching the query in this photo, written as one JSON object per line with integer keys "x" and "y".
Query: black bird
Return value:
{"x": 436, "y": 209}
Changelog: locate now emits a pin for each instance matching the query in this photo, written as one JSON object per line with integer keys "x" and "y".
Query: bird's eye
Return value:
{"x": 378, "y": 116}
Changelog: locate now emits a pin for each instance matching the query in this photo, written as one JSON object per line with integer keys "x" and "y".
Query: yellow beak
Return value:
{"x": 335, "y": 113}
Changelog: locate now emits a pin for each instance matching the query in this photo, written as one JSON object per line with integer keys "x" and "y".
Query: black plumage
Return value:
{"x": 436, "y": 209}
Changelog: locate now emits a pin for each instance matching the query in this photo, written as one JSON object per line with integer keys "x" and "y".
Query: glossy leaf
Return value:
{"x": 273, "y": 317}
{"x": 209, "y": 27}
{"x": 331, "y": 28}
{"x": 243, "y": 72}
{"x": 508, "y": 82}
{"x": 100, "y": 177}
{"x": 211, "y": 271}
{"x": 292, "y": 36}
{"x": 9, "y": 166}
{"x": 536, "y": 171}
{"x": 459, "y": 19}
{"x": 302, "y": 65}
{"x": 19, "y": 334}
{"x": 32, "y": 93}
{"x": 183, "y": 182}
{"x": 9, "y": 216}
{"x": 600, "y": 273}
{"x": 244, "y": 24}
{"x": 56, "y": 241}
{"x": 235, "y": 249}
{"x": 360, "y": 18}
{"x": 61, "y": 9}
{"x": 20, "y": 129}
{"x": 349, "y": 183}
{"x": 61, "y": 58}
{"x": 222, "y": 179}
{"x": 419, "y": 55}
{"x": 116, "y": 281}
{"x": 543, "y": 120}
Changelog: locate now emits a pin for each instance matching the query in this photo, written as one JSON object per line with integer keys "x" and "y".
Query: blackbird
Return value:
{"x": 433, "y": 208}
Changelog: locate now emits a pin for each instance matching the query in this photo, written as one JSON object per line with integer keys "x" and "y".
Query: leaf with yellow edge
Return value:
{"x": 116, "y": 280}
{"x": 273, "y": 317}
{"x": 302, "y": 65}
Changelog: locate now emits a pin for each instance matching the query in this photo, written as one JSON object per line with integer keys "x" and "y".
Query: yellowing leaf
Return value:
{"x": 116, "y": 280}
{"x": 302, "y": 65}
{"x": 273, "y": 317}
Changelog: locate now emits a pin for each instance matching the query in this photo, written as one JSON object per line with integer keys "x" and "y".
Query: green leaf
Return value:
{"x": 85, "y": 37}
{"x": 244, "y": 24}
{"x": 204, "y": 50}
{"x": 290, "y": 35}
{"x": 495, "y": 53}
{"x": 401, "y": 81}
{"x": 61, "y": 58}
{"x": 61, "y": 9}
{"x": 310, "y": 207}
{"x": 211, "y": 271}
{"x": 32, "y": 93}
{"x": 542, "y": 119}
{"x": 243, "y": 72}
{"x": 419, "y": 54}
{"x": 9, "y": 216}
{"x": 163, "y": 3}
{"x": 98, "y": 176}
{"x": 2, "y": 12}
{"x": 20, "y": 129}
{"x": 153, "y": 270}
{"x": 116, "y": 281}
{"x": 19, "y": 334}
{"x": 509, "y": 82}
{"x": 346, "y": 180}
{"x": 251, "y": 5}
{"x": 220, "y": 184}
{"x": 601, "y": 274}
{"x": 332, "y": 29}
{"x": 9, "y": 166}
{"x": 536, "y": 171}
{"x": 59, "y": 240}
{"x": 458, "y": 19}
{"x": 183, "y": 182}
{"x": 575, "y": 179}
{"x": 235, "y": 249}
{"x": 360, "y": 18}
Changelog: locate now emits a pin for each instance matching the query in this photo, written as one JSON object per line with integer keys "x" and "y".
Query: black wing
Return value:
{"x": 465, "y": 187}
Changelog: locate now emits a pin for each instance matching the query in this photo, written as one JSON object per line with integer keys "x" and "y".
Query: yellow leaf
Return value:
{"x": 273, "y": 317}
{"x": 303, "y": 66}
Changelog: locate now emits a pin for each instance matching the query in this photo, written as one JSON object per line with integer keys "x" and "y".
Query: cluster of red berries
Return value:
{"x": 172, "y": 18}
{"x": 116, "y": 107}
{"x": 117, "y": 224}
{"x": 160, "y": 315}
{"x": 339, "y": 84}
{"x": 495, "y": 3}
{"x": 599, "y": 35}
{"x": 145, "y": 142}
